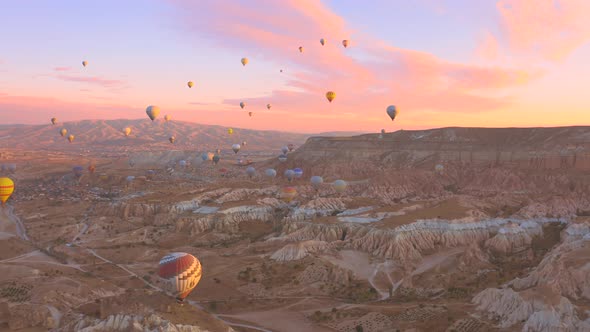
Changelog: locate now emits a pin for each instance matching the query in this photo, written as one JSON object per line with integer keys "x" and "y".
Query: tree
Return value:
{"x": 359, "y": 328}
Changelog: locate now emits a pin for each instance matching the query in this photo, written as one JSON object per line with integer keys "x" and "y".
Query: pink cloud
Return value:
{"x": 62, "y": 68}
{"x": 274, "y": 30}
{"x": 91, "y": 80}
{"x": 488, "y": 48}
{"x": 550, "y": 28}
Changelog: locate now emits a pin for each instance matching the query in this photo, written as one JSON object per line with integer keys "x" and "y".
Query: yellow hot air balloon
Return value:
{"x": 172, "y": 139}
{"x": 6, "y": 189}
{"x": 190, "y": 84}
{"x": 181, "y": 273}
{"x": 345, "y": 43}
{"x": 167, "y": 117}
{"x": 63, "y": 132}
{"x": 300, "y": 49}
{"x": 323, "y": 41}
{"x": 230, "y": 131}
{"x": 330, "y": 95}
{"x": 53, "y": 120}
{"x": 127, "y": 131}
{"x": 152, "y": 111}
{"x": 244, "y": 61}
{"x": 84, "y": 63}
{"x": 71, "y": 138}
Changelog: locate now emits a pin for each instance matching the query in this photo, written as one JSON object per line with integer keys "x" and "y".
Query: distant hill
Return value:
{"x": 107, "y": 135}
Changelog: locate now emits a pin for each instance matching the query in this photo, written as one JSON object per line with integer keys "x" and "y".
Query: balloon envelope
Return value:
{"x": 285, "y": 149}
{"x": 190, "y": 84}
{"x": 322, "y": 41}
{"x": 244, "y": 61}
{"x": 339, "y": 185}
{"x": 251, "y": 171}
{"x": 330, "y": 95}
{"x": 181, "y": 272}
{"x": 53, "y": 120}
{"x": 236, "y": 148}
{"x": 298, "y": 172}
{"x": 392, "y": 112}
{"x": 63, "y": 132}
{"x": 288, "y": 193}
{"x": 6, "y": 189}
{"x": 316, "y": 181}
{"x": 283, "y": 158}
{"x": 289, "y": 174}
{"x": 71, "y": 138}
{"x": 242, "y": 104}
{"x": 345, "y": 43}
{"x": 271, "y": 173}
{"x": 152, "y": 112}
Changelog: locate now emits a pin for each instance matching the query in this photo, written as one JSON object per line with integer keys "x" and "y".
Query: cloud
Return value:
{"x": 549, "y": 28}
{"x": 62, "y": 68}
{"x": 489, "y": 48}
{"x": 90, "y": 80}
{"x": 367, "y": 76}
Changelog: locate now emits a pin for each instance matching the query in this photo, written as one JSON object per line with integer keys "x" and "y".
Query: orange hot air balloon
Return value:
{"x": 91, "y": 169}
{"x": 71, "y": 138}
{"x": 288, "y": 193}
{"x": 181, "y": 272}
{"x": 126, "y": 131}
{"x": 330, "y": 95}
{"x": 53, "y": 121}
{"x": 63, "y": 132}
{"x": 172, "y": 139}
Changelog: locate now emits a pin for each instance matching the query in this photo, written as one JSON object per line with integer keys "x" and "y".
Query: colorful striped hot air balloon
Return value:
{"x": 182, "y": 272}
{"x": 288, "y": 193}
{"x": 6, "y": 189}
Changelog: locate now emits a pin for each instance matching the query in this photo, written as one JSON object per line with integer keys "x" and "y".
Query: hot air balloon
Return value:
{"x": 243, "y": 143}
{"x": 181, "y": 272}
{"x": 339, "y": 185}
{"x": 71, "y": 138}
{"x": 53, "y": 121}
{"x": 345, "y": 43}
{"x": 271, "y": 173}
{"x": 230, "y": 131}
{"x": 268, "y": 106}
{"x": 130, "y": 178}
{"x": 251, "y": 171}
{"x": 298, "y": 172}
{"x": 182, "y": 163}
{"x": 127, "y": 131}
{"x": 281, "y": 70}
{"x": 216, "y": 159}
{"x": 285, "y": 149}
{"x": 250, "y": 114}
{"x": 300, "y": 49}
{"x": 289, "y": 174}
{"x": 283, "y": 158}
{"x": 167, "y": 117}
{"x": 150, "y": 173}
{"x": 190, "y": 84}
{"x": 288, "y": 193}
{"x": 91, "y": 169}
{"x": 218, "y": 151}
{"x": 290, "y": 147}
{"x": 131, "y": 162}
{"x": 84, "y": 63}
{"x": 330, "y": 95}
{"x": 172, "y": 139}
{"x": 392, "y": 112}
{"x": 152, "y": 112}
{"x": 236, "y": 148}
{"x": 78, "y": 171}
{"x": 6, "y": 189}
{"x": 63, "y": 132}
{"x": 316, "y": 181}
{"x": 322, "y": 41}
{"x": 242, "y": 104}
{"x": 439, "y": 168}
{"x": 244, "y": 61}
{"x": 206, "y": 156}
{"x": 383, "y": 131}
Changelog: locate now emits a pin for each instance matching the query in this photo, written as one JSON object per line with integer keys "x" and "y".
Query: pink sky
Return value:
{"x": 527, "y": 61}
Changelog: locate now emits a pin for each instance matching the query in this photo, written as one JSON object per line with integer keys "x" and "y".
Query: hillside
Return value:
{"x": 107, "y": 135}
